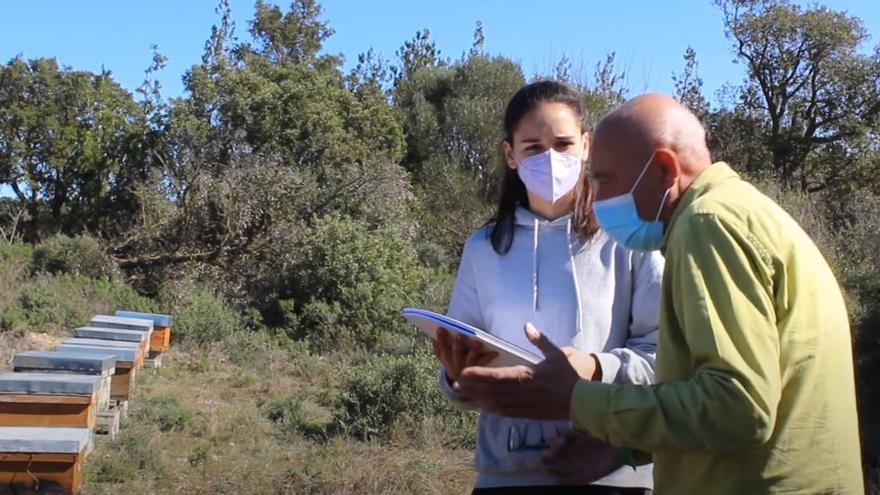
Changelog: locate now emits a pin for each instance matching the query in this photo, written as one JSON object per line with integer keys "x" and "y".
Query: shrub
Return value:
{"x": 200, "y": 314}
{"x": 55, "y": 302}
{"x": 75, "y": 256}
{"x": 350, "y": 284}
{"x": 390, "y": 389}
{"x": 14, "y": 262}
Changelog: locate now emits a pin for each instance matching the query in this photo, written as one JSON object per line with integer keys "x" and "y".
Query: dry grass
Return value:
{"x": 217, "y": 438}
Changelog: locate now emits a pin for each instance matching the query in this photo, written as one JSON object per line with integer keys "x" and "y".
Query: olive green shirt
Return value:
{"x": 755, "y": 389}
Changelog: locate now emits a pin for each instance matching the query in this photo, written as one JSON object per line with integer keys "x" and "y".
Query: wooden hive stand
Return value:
{"x": 42, "y": 460}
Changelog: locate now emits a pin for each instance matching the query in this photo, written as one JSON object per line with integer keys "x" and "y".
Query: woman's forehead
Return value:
{"x": 555, "y": 118}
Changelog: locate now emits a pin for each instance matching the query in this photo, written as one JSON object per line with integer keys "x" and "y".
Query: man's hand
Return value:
{"x": 542, "y": 392}
{"x": 578, "y": 458}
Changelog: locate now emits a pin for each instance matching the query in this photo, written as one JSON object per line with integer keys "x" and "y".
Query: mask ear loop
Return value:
{"x": 662, "y": 202}
{"x": 644, "y": 169}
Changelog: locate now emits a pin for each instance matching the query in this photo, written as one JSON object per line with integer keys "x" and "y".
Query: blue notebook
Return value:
{"x": 509, "y": 354}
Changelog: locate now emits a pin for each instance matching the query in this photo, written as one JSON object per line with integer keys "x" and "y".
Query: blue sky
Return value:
{"x": 649, "y": 37}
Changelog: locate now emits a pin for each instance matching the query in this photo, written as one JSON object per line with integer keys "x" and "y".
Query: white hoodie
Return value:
{"x": 597, "y": 296}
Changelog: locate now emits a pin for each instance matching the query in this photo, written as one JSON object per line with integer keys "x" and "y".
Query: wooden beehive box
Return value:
{"x": 110, "y": 344}
{"x": 49, "y": 399}
{"x": 70, "y": 363}
{"x": 117, "y": 334}
{"x": 42, "y": 460}
{"x": 122, "y": 381}
{"x": 122, "y": 323}
{"x": 162, "y": 323}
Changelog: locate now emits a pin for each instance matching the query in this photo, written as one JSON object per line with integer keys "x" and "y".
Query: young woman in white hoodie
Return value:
{"x": 542, "y": 259}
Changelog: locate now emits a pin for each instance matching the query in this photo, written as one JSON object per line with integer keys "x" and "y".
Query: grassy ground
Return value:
{"x": 203, "y": 425}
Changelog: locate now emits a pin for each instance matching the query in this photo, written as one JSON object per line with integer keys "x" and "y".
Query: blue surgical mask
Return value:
{"x": 620, "y": 218}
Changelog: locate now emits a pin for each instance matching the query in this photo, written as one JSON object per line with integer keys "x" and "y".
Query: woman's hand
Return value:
{"x": 458, "y": 352}
{"x": 586, "y": 365}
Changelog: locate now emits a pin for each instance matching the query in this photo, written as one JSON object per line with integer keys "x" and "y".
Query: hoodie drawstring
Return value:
{"x": 535, "y": 268}
{"x": 577, "y": 287}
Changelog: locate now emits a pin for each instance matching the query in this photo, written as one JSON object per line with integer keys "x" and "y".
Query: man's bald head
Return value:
{"x": 652, "y": 133}
{"x": 653, "y": 120}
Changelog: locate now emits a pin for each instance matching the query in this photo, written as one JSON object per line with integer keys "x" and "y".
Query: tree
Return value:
{"x": 806, "y": 75}
{"x": 63, "y": 141}
{"x": 270, "y": 136}
{"x": 416, "y": 54}
{"x": 295, "y": 36}
{"x": 688, "y": 85}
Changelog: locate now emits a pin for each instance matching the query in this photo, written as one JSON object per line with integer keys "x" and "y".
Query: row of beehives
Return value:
{"x": 53, "y": 402}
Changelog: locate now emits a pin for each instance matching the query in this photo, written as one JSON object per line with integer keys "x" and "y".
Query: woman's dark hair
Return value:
{"x": 513, "y": 191}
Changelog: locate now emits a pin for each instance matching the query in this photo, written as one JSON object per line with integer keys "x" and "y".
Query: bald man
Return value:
{"x": 755, "y": 389}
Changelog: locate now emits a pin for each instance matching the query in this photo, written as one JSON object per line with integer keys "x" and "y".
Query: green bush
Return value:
{"x": 75, "y": 256}
{"x": 16, "y": 253}
{"x": 55, "y": 302}
{"x": 390, "y": 389}
{"x": 14, "y": 262}
{"x": 350, "y": 284}
{"x": 201, "y": 315}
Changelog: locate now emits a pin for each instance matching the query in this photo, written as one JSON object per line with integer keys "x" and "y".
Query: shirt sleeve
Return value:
{"x": 721, "y": 290}
{"x": 634, "y": 362}
{"x": 464, "y": 306}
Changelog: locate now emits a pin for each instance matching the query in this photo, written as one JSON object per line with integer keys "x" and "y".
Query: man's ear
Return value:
{"x": 668, "y": 164}
{"x": 508, "y": 155}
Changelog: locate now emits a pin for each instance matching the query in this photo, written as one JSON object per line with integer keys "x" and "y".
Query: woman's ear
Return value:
{"x": 587, "y": 139}
{"x": 508, "y": 155}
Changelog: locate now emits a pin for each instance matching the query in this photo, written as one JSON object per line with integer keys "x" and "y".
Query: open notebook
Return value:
{"x": 508, "y": 354}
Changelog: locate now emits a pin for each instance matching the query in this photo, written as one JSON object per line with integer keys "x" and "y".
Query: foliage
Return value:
{"x": 809, "y": 84}
{"x": 200, "y": 314}
{"x": 80, "y": 255}
{"x": 390, "y": 389}
{"x": 349, "y": 284}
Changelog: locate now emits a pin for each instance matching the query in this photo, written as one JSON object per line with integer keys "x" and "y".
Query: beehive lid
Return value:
{"x": 64, "y": 361}
{"x": 38, "y": 440}
{"x": 106, "y": 321}
{"x": 115, "y": 344}
{"x": 157, "y": 318}
{"x": 110, "y": 334}
{"x": 119, "y": 354}
{"x": 48, "y": 383}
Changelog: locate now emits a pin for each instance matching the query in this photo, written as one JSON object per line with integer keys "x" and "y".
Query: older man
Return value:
{"x": 756, "y": 391}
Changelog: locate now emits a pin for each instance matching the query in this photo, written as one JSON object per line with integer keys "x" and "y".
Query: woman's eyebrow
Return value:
{"x": 565, "y": 136}
{"x": 531, "y": 140}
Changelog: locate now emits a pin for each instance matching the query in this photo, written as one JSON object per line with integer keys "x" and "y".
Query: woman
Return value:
{"x": 542, "y": 259}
